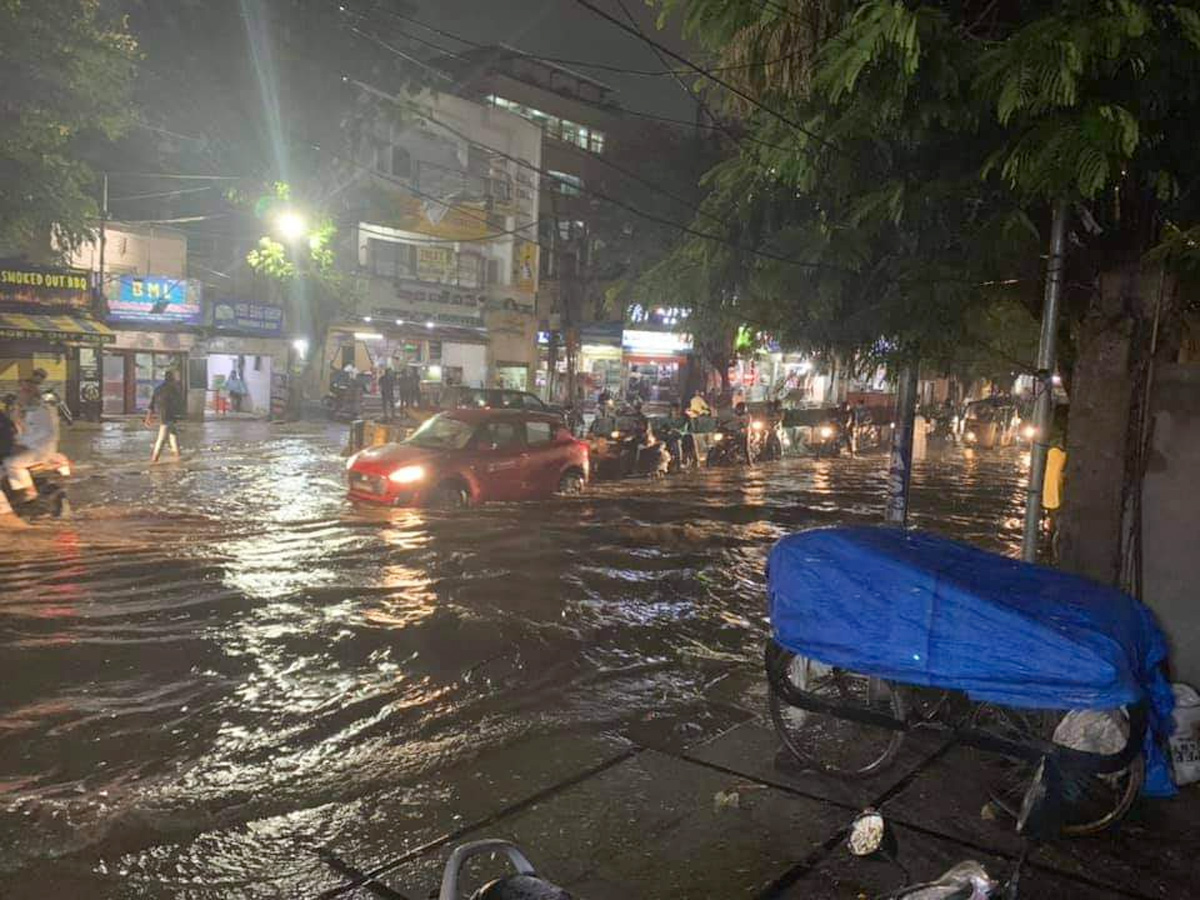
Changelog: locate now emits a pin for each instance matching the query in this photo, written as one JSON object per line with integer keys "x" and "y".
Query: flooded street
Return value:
{"x": 219, "y": 667}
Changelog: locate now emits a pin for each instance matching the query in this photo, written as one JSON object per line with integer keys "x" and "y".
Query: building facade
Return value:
{"x": 597, "y": 160}
{"x": 161, "y": 320}
{"x": 444, "y": 245}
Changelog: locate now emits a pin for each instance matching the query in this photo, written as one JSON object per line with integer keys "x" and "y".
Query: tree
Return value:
{"x": 914, "y": 153}
{"x": 66, "y": 67}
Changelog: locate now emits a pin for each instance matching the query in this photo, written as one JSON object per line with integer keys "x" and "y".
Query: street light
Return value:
{"x": 291, "y": 225}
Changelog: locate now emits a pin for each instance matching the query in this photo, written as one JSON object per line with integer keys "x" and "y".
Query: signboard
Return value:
{"x": 525, "y": 262}
{"x": 417, "y": 303}
{"x": 248, "y": 317}
{"x": 39, "y": 286}
{"x": 156, "y": 299}
{"x": 433, "y": 263}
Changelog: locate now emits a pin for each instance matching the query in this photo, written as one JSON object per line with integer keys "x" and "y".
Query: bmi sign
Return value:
{"x": 157, "y": 299}
{"x": 247, "y": 317}
{"x": 40, "y": 286}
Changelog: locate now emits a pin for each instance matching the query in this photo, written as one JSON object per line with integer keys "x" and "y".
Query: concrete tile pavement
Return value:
{"x": 726, "y": 817}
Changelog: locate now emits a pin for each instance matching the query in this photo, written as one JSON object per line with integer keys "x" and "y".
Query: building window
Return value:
{"x": 390, "y": 259}
{"x": 561, "y": 129}
{"x": 568, "y": 185}
{"x": 470, "y": 270}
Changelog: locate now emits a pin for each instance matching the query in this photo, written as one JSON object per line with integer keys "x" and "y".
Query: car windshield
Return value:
{"x": 441, "y": 433}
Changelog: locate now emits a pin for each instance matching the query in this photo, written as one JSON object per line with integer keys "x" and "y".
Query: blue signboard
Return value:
{"x": 248, "y": 317}
{"x": 154, "y": 298}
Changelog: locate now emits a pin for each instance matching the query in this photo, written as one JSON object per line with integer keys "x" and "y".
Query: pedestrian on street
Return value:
{"x": 414, "y": 387}
{"x": 237, "y": 389}
{"x": 387, "y": 393}
{"x": 166, "y": 403}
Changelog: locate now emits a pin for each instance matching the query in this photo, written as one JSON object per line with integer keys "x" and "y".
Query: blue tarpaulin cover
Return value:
{"x": 924, "y": 610}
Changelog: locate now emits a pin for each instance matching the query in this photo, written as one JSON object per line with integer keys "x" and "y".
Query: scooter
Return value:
{"x": 51, "y": 500}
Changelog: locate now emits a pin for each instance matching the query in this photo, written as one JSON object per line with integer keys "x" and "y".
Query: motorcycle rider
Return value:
{"x": 36, "y": 425}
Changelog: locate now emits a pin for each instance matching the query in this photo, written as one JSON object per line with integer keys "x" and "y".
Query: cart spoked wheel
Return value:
{"x": 826, "y": 742}
{"x": 1092, "y": 803}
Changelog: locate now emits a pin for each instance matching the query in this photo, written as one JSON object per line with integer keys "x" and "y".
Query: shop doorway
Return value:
{"x": 129, "y": 378}
{"x": 254, "y": 371}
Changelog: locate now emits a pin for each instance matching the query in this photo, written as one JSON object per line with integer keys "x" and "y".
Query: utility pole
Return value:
{"x": 900, "y": 467}
{"x": 1043, "y": 405}
{"x": 103, "y": 221}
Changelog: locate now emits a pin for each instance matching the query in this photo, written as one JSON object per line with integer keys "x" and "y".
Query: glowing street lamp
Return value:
{"x": 291, "y": 225}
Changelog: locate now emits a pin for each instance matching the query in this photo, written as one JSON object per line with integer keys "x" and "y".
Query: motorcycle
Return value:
{"x": 870, "y": 837}
{"x": 525, "y": 884}
{"x": 764, "y": 433}
{"x": 681, "y": 448}
{"x": 731, "y": 445}
{"x": 51, "y": 501}
{"x": 623, "y": 445}
{"x": 827, "y": 440}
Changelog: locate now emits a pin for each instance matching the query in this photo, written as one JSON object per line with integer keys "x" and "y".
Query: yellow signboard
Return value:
{"x": 525, "y": 261}
{"x": 453, "y": 221}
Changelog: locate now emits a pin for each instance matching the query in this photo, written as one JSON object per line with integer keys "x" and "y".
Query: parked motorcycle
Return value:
{"x": 870, "y": 837}
{"x": 524, "y": 884}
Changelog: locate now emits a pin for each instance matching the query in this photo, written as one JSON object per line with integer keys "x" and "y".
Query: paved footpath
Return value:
{"x": 726, "y": 816}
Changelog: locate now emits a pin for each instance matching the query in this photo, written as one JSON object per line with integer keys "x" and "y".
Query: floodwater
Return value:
{"x": 219, "y": 666}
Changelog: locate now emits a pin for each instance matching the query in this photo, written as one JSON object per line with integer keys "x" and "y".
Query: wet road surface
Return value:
{"x": 220, "y": 666}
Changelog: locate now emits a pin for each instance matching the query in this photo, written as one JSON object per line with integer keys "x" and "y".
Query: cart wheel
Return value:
{"x": 825, "y": 742}
{"x": 1097, "y": 801}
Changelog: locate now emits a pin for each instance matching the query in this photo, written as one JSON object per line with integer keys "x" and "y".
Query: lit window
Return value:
{"x": 561, "y": 129}
{"x": 568, "y": 185}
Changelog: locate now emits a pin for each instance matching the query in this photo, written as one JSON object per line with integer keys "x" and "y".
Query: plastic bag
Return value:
{"x": 1185, "y": 740}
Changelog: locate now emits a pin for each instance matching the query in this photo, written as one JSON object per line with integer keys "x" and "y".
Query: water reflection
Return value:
{"x": 222, "y": 664}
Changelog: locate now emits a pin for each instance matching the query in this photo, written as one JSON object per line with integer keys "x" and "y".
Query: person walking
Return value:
{"x": 237, "y": 389}
{"x": 167, "y": 403}
{"x": 387, "y": 393}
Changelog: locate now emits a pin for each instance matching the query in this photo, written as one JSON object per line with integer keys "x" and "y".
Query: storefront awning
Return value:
{"x": 78, "y": 328}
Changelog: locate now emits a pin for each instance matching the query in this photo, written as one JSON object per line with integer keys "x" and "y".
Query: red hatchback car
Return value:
{"x": 467, "y": 456}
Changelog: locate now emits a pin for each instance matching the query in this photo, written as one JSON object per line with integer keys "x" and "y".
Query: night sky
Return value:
{"x": 563, "y": 28}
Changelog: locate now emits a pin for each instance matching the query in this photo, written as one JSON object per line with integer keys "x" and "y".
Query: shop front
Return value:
{"x": 155, "y": 319}
{"x": 46, "y": 323}
{"x": 441, "y": 355}
{"x": 247, "y": 340}
{"x": 512, "y": 342}
{"x": 654, "y": 363}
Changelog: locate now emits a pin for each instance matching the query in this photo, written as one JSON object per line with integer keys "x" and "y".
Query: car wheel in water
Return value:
{"x": 570, "y": 484}
{"x": 449, "y": 495}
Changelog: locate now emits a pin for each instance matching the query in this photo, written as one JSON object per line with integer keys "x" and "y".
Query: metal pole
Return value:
{"x": 1043, "y": 408}
{"x": 900, "y": 468}
{"x": 103, "y": 220}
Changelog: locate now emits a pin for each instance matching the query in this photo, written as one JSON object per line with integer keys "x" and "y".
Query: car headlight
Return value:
{"x": 757, "y": 425}
{"x": 718, "y": 436}
{"x": 1029, "y": 432}
{"x": 826, "y": 432}
{"x": 407, "y": 474}
{"x": 970, "y": 436}
{"x": 351, "y": 461}
{"x": 616, "y": 435}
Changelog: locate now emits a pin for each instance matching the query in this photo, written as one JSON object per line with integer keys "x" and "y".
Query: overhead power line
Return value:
{"x": 546, "y": 173}
{"x": 515, "y": 52}
{"x": 156, "y": 194}
{"x": 700, "y": 70}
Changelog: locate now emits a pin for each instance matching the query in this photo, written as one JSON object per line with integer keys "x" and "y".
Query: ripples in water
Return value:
{"x": 219, "y": 665}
